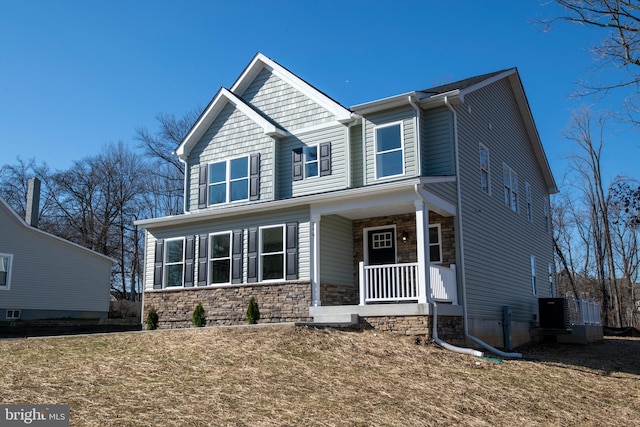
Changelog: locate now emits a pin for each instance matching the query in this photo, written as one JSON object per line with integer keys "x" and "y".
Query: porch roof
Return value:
{"x": 391, "y": 197}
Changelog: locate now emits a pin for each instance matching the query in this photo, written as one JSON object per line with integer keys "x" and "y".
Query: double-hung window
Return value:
{"x": 435, "y": 244}
{"x": 272, "y": 253}
{"x": 389, "y": 150}
{"x": 173, "y": 262}
{"x": 229, "y": 181}
{"x": 310, "y": 161}
{"x": 510, "y": 179}
{"x": 534, "y": 285}
{"x": 484, "y": 169}
{"x": 5, "y": 270}
{"x": 220, "y": 258}
{"x": 545, "y": 209}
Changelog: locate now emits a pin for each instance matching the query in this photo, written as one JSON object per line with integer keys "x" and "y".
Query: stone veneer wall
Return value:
{"x": 338, "y": 295}
{"x": 278, "y": 302}
{"x": 407, "y": 252}
{"x": 450, "y": 328}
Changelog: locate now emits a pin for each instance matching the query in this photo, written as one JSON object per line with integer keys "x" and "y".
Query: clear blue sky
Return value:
{"x": 75, "y": 75}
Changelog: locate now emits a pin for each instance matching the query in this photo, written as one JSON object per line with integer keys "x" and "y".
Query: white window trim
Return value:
{"x": 305, "y": 162}
{"x": 488, "y": 170}
{"x": 165, "y": 264}
{"x": 439, "y": 227}
{"x": 527, "y": 190}
{"x": 284, "y": 252}
{"x": 534, "y": 284}
{"x": 9, "y": 271}
{"x": 375, "y": 149}
{"x": 228, "y": 180}
{"x": 11, "y": 314}
{"x": 551, "y": 280}
{"x": 512, "y": 192}
{"x": 210, "y": 259}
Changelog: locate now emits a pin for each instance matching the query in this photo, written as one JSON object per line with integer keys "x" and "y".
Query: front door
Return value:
{"x": 381, "y": 246}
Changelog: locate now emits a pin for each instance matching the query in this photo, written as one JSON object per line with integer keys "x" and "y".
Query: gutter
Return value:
{"x": 465, "y": 315}
{"x": 417, "y": 131}
{"x": 183, "y": 160}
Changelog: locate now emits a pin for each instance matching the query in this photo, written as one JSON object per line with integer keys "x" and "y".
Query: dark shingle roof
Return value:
{"x": 462, "y": 84}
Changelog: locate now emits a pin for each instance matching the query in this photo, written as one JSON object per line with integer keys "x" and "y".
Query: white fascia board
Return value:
{"x": 332, "y": 196}
{"x": 261, "y": 61}
{"x": 220, "y": 100}
{"x": 384, "y": 103}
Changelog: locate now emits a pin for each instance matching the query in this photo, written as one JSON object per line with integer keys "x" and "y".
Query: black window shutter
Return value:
{"x": 157, "y": 265}
{"x": 254, "y": 177}
{"x": 202, "y": 260}
{"x": 202, "y": 186}
{"x": 325, "y": 159}
{"x": 236, "y": 257}
{"x": 252, "y": 255}
{"x": 292, "y": 251}
{"x": 189, "y": 261}
{"x": 298, "y": 165}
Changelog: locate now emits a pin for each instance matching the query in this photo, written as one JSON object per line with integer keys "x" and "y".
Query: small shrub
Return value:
{"x": 152, "y": 319}
{"x": 253, "y": 313}
{"x": 199, "y": 319}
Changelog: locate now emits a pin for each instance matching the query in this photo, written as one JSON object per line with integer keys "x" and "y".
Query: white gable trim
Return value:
{"x": 260, "y": 61}
{"x": 206, "y": 119}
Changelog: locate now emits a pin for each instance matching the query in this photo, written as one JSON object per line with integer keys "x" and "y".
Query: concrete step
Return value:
{"x": 336, "y": 319}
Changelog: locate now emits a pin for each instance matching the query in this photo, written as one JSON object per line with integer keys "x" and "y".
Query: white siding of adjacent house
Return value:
{"x": 49, "y": 273}
{"x": 499, "y": 243}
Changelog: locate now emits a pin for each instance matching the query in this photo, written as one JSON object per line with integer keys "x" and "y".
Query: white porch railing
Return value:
{"x": 584, "y": 312}
{"x": 400, "y": 282}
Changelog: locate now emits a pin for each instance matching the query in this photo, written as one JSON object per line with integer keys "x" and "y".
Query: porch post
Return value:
{"x": 314, "y": 259}
{"x": 422, "y": 240}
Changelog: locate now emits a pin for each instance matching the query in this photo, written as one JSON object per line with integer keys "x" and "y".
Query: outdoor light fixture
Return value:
{"x": 404, "y": 236}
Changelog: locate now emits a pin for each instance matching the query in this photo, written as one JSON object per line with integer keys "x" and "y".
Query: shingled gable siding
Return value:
{"x": 283, "y": 104}
{"x": 407, "y": 117}
{"x": 232, "y": 135}
{"x": 498, "y": 242}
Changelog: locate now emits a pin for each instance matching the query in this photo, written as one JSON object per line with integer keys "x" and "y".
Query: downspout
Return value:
{"x": 184, "y": 185}
{"x": 461, "y": 244}
{"x": 418, "y": 137}
{"x": 434, "y": 333}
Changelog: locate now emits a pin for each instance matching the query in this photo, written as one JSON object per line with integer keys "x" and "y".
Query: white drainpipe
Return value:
{"x": 461, "y": 245}
{"x": 434, "y": 333}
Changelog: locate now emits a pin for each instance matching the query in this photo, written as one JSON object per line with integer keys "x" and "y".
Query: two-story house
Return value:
{"x": 374, "y": 213}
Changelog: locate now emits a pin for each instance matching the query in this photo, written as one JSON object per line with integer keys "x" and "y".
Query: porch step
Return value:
{"x": 342, "y": 319}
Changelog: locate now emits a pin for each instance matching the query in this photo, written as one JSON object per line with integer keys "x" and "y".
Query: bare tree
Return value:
{"x": 159, "y": 147}
{"x": 618, "y": 53}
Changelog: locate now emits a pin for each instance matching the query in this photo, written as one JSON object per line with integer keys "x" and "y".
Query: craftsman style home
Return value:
{"x": 379, "y": 213}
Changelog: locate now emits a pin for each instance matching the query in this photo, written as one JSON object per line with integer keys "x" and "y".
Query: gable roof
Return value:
{"x": 232, "y": 95}
{"x": 22, "y": 223}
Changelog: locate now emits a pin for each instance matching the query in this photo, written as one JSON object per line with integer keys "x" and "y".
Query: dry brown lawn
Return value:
{"x": 298, "y": 376}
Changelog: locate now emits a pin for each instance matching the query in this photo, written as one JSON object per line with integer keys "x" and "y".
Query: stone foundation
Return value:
{"x": 450, "y": 328}
{"x": 278, "y": 302}
{"x": 338, "y": 295}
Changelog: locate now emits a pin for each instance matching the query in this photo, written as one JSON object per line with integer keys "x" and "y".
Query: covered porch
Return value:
{"x": 387, "y": 252}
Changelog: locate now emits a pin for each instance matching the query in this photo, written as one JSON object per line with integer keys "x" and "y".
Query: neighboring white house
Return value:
{"x": 43, "y": 276}
{"x": 374, "y": 213}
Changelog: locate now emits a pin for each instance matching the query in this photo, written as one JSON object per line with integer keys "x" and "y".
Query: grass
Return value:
{"x": 286, "y": 375}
